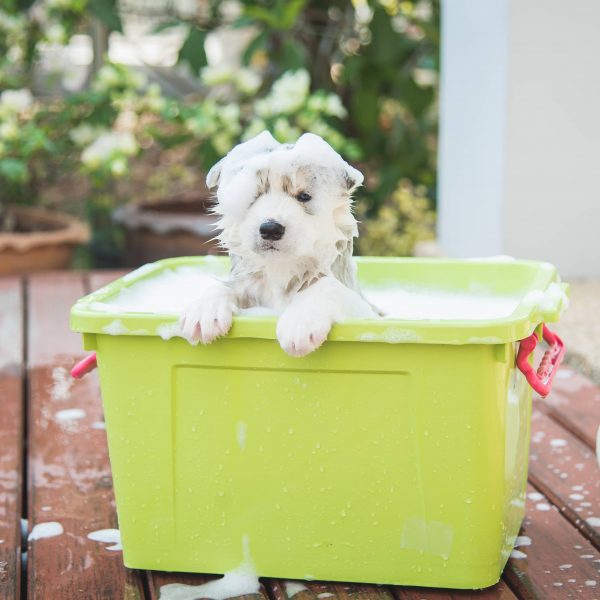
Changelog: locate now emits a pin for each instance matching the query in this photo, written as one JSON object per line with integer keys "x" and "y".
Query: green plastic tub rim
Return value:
{"x": 89, "y": 314}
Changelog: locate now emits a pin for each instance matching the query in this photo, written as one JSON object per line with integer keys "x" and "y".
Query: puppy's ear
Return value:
{"x": 212, "y": 179}
{"x": 353, "y": 178}
{"x": 229, "y": 165}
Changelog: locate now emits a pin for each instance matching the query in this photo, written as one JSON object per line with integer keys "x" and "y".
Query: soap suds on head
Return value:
{"x": 45, "y": 530}
{"x": 518, "y": 554}
{"x": 61, "y": 384}
{"x": 241, "y": 581}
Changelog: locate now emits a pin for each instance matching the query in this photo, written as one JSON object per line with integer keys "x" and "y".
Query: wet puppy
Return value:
{"x": 286, "y": 221}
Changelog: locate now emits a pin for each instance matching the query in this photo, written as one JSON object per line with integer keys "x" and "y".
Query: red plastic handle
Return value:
{"x": 89, "y": 363}
{"x": 541, "y": 380}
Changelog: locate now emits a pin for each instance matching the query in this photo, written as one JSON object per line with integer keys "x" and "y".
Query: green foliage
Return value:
{"x": 192, "y": 51}
{"x": 380, "y": 57}
{"x": 233, "y": 113}
{"x": 403, "y": 220}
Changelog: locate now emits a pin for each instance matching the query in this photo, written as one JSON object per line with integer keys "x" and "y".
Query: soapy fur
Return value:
{"x": 307, "y": 272}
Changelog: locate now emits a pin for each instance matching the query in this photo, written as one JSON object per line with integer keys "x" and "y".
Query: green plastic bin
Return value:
{"x": 396, "y": 453}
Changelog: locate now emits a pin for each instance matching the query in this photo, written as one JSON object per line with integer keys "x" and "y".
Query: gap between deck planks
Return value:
{"x": 527, "y": 577}
{"x": 11, "y": 435}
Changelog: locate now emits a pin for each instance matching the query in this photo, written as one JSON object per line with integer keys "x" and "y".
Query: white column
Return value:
{"x": 520, "y": 131}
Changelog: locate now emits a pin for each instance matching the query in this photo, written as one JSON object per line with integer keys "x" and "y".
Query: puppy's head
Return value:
{"x": 282, "y": 202}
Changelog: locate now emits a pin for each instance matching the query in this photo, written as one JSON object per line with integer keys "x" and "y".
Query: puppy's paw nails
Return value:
{"x": 300, "y": 334}
{"x": 205, "y": 321}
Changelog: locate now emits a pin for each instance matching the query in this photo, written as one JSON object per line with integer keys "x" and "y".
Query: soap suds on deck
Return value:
{"x": 241, "y": 581}
{"x": 61, "y": 384}
{"x": 107, "y": 536}
{"x": 45, "y": 530}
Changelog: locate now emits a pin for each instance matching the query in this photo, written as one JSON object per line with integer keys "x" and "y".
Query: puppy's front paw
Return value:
{"x": 300, "y": 331}
{"x": 206, "y": 319}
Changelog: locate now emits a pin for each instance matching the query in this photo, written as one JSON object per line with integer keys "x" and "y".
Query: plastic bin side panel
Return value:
{"x": 310, "y": 466}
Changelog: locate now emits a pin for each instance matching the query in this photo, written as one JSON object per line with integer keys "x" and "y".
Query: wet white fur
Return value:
{"x": 308, "y": 274}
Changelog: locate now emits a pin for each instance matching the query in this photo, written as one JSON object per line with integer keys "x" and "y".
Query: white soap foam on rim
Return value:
{"x": 107, "y": 536}
{"x": 241, "y": 581}
{"x": 167, "y": 293}
{"x": 45, "y": 530}
{"x": 171, "y": 290}
{"x": 431, "y": 304}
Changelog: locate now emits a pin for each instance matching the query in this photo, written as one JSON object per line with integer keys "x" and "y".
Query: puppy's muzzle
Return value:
{"x": 271, "y": 230}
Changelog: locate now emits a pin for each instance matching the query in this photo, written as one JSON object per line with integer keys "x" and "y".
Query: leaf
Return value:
{"x": 290, "y": 13}
{"x": 14, "y": 170}
{"x": 262, "y": 15}
{"x": 258, "y": 43}
{"x": 192, "y": 51}
{"x": 107, "y": 12}
{"x": 293, "y": 54}
{"x": 166, "y": 25}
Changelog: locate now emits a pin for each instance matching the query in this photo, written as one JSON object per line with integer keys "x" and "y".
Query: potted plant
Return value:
{"x": 32, "y": 238}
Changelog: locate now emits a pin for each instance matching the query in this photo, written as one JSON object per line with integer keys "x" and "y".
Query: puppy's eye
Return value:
{"x": 303, "y": 197}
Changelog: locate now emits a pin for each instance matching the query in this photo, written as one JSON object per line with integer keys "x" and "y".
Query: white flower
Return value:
{"x": 285, "y": 132}
{"x": 255, "y": 127}
{"x": 108, "y": 146}
{"x": 263, "y": 108}
{"x": 216, "y": 75}
{"x": 222, "y": 142}
{"x": 107, "y": 77}
{"x": 16, "y": 100}
{"x": 55, "y": 33}
{"x": 118, "y": 166}
{"x": 9, "y": 130}
{"x": 84, "y": 134}
{"x": 10, "y": 23}
{"x": 334, "y": 106}
{"x": 247, "y": 81}
{"x": 290, "y": 91}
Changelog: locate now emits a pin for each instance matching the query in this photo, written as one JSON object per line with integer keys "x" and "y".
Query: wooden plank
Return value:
{"x": 288, "y": 590}
{"x": 565, "y": 469}
{"x": 559, "y": 562}
{"x": 69, "y": 475}
{"x": 500, "y": 591}
{"x": 574, "y": 403}
{"x": 11, "y": 434}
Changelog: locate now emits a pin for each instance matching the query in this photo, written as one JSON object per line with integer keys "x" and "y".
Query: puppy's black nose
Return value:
{"x": 271, "y": 230}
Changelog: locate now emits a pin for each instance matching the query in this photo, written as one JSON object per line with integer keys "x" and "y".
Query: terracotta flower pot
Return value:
{"x": 168, "y": 228}
{"x": 43, "y": 241}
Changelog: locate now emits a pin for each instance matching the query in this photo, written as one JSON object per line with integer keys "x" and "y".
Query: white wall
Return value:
{"x": 520, "y": 131}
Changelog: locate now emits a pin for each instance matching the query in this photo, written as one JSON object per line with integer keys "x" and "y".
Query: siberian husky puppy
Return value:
{"x": 286, "y": 220}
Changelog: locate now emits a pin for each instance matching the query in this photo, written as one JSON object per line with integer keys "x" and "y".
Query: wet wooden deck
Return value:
{"x": 54, "y": 467}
